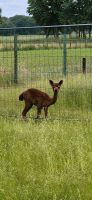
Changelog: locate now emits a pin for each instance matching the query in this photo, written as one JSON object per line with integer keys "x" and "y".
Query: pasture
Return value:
{"x": 46, "y": 159}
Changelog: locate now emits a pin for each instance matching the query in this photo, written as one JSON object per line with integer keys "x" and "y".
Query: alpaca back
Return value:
{"x": 35, "y": 97}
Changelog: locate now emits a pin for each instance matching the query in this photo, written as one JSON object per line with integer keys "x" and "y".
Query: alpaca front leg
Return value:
{"x": 46, "y": 112}
{"x": 38, "y": 113}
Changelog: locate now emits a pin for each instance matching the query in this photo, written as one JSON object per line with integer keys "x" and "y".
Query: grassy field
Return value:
{"x": 38, "y": 56}
{"x": 38, "y": 64}
{"x": 74, "y": 101}
{"x": 45, "y": 160}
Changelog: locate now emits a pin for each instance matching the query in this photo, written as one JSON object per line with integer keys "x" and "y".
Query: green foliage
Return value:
{"x": 60, "y": 12}
{"x": 22, "y": 21}
{"x": 16, "y": 21}
{"x": 83, "y": 10}
{"x": 45, "y": 12}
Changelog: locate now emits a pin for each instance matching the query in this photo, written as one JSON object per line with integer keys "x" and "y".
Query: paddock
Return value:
{"x": 46, "y": 159}
{"x": 30, "y": 56}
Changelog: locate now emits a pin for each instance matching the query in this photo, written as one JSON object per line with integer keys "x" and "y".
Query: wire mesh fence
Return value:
{"x": 31, "y": 56}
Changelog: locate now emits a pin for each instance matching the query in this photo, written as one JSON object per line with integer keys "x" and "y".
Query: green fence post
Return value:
{"x": 15, "y": 59}
{"x": 65, "y": 54}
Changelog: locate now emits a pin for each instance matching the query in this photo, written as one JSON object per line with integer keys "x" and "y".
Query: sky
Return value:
{"x": 13, "y": 7}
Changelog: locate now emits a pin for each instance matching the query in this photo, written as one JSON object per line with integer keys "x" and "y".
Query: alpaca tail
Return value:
{"x": 21, "y": 97}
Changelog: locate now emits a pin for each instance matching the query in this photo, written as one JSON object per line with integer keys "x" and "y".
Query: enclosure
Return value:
{"x": 46, "y": 159}
{"x": 31, "y": 56}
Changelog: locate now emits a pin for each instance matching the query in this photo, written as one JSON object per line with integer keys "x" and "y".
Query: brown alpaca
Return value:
{"x": 40, "y": 99}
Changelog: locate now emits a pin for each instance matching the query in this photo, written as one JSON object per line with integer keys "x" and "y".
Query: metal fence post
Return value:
{"x": 65, "y": 54}
{"x": 15, "y": 59}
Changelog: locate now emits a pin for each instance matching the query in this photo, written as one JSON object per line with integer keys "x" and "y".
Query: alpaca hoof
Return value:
{"x": 46, "y": 118}
{"x": 38, "y": 118}
{"x": 24, "y": 118}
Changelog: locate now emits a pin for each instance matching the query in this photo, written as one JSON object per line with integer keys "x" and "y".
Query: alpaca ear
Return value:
{"x": 61, "y": 82}
{"x": 51, "y": 82}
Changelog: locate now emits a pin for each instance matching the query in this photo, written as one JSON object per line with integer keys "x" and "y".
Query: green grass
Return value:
{"x": 38, "y": 56}
{"x": 74, "y": 101}
{"x": 35, "y": 64}
{"x": 45, "y": 160}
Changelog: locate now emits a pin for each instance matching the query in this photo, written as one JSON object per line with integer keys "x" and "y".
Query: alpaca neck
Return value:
{"x": 54, "y": 98}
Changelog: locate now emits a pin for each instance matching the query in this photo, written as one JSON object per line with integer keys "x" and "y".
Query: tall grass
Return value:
{"x": 74, "y": 100}
{"x": 45, "y": 160}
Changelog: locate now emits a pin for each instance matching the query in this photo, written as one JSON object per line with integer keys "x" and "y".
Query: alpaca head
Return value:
{"x": 56, "y": 86}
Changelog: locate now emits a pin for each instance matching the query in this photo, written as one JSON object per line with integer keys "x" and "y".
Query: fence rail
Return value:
{"x": 30, "y": 56}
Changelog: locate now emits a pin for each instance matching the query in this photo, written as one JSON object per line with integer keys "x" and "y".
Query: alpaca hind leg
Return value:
{"x": 26, "y": 109}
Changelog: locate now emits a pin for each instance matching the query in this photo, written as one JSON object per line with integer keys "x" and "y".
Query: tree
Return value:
{"x": 22, "y": 21}
{"x": 46, "y": 12}
{"x": 56, "y": 12}
{"x": 83, "y": 13}
{"x": 17, "y": 21}
{"x": 77, "y": 12}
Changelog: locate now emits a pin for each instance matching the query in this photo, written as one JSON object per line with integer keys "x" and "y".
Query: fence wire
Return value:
{"x": 31, "y": 56}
